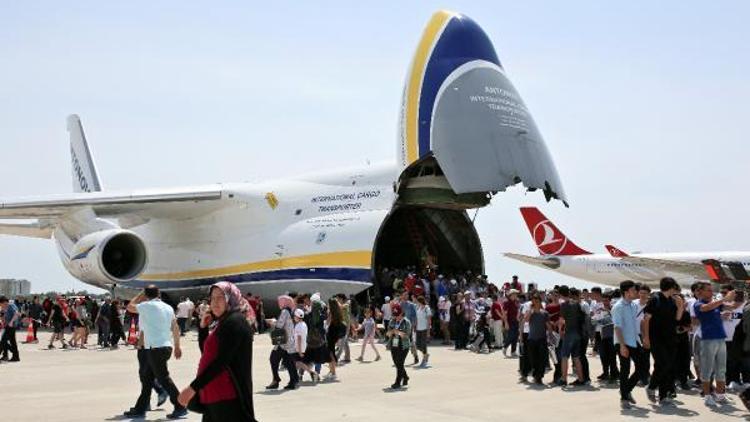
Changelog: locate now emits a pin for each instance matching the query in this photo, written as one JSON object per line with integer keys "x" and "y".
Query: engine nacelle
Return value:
{"x": 108, "y": 257}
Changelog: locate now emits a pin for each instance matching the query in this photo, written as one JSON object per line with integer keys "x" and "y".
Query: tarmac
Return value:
{"x": 98, "y": 385}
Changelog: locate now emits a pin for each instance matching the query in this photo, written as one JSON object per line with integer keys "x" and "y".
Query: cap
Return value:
{"x": 299, "y": 313}
{"x": 387, "y": 298}
{"x": 513, "y": 292}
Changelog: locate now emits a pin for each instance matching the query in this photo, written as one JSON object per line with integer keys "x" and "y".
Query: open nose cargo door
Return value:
{"x": 465, "y": 131}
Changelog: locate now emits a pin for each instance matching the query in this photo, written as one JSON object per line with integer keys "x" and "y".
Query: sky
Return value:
{"x": 641, "y": 103}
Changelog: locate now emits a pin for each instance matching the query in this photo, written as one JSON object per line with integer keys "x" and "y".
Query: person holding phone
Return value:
{"x": 713, "y": 342}
{"x": 223, "y": 387}
{"x": 399, "y": 341}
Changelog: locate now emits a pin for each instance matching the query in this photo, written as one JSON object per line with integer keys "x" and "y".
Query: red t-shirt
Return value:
{"x": 511, "y": 308}
{"x": 220, "y": 388}
{"x": 253, "y": 304}
{"x": 553, "y": 311}
{"x": 496, "y": 311}
{"x": 409, "y": 284}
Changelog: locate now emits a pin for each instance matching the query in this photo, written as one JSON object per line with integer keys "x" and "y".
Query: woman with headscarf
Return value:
{"x": 224, "y": 383}
{"x": 283, "y": 345}
{"x": 317, "y": 349}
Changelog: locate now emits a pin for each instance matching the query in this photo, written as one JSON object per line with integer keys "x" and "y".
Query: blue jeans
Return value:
{"x": 512, "y": 338}
{"x": 182, "y": 323}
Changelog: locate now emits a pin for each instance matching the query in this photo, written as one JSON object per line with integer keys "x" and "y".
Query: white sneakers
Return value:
{"x": 721, "y": 399}
{"x": 734, "y": 386}
{"x": 714, "y": 400}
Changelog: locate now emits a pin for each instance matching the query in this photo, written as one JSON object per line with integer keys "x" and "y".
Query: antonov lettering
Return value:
{"x": 79, "y": 172}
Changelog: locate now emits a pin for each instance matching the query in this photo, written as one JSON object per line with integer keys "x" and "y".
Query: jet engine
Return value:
{"x": 108, "y": 257}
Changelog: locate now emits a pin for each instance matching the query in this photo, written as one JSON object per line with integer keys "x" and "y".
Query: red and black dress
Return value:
{"x": 224, "y": 380}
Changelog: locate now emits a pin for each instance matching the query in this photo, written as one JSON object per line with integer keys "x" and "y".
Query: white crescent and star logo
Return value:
{"x": 546, "y": 242}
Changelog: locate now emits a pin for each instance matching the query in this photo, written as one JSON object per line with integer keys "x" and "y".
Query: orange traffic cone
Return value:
{"x": 30, "y": 332}
{"x": 132, "y": 336}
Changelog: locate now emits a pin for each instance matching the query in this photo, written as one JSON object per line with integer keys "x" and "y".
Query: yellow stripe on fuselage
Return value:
{"x": 355, "y": 259}
{"x": 434, "y": 27}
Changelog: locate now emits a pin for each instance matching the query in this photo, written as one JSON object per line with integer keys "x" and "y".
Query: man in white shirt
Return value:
{"x": 731, "y": 318}
{"x": 423, "y": 326}
{"x": 596, "y": 307}
{"x": 524, "y": 362}
{"x": 386, "y": 311}
{"x": 643, "y": 363}
{"x": 184, "y": 312}
{"x": 444, "y": 313}
{"x": 695, "y": 335}
{"x": 157, "y": 321}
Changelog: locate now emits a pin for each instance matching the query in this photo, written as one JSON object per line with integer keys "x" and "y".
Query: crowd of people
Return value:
{"x": 665, "y": 341}
{"x": 658, "y": 334}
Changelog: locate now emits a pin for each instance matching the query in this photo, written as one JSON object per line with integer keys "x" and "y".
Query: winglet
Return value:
{"x": 616, "y": 253}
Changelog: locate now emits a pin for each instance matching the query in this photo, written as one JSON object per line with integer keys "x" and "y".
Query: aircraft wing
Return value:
{"x": 136, "y": 206}
{"x": 690, "y": 268}
{"x": 539, "y": 261}
{"x": 697, "y": 270}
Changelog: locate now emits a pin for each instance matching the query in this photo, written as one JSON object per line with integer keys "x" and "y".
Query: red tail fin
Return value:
{"x": 615, "y": 252}
{"x": 547, "y": 237}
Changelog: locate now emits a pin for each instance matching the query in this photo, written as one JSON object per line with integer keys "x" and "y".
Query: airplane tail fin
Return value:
{"x": 616, "y": 252}
{"x": 85, "y": 177}
{"x": 548, "y": 238}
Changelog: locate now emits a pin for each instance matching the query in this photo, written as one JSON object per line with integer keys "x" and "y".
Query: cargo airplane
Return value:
{"x": 465, "y": 135}
{"x": 559, "y": 253}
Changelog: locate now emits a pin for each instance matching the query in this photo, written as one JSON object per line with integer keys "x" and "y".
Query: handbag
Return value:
{"x": 278, "y": 336}
{"x": 195, "y": 405}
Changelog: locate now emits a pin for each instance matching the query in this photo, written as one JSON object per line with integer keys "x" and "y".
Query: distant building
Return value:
{"x": 10, "y": 287}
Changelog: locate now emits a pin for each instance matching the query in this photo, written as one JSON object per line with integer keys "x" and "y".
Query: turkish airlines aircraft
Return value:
{"x": 465, "y": 134}
{"x": 559, "y": 253}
